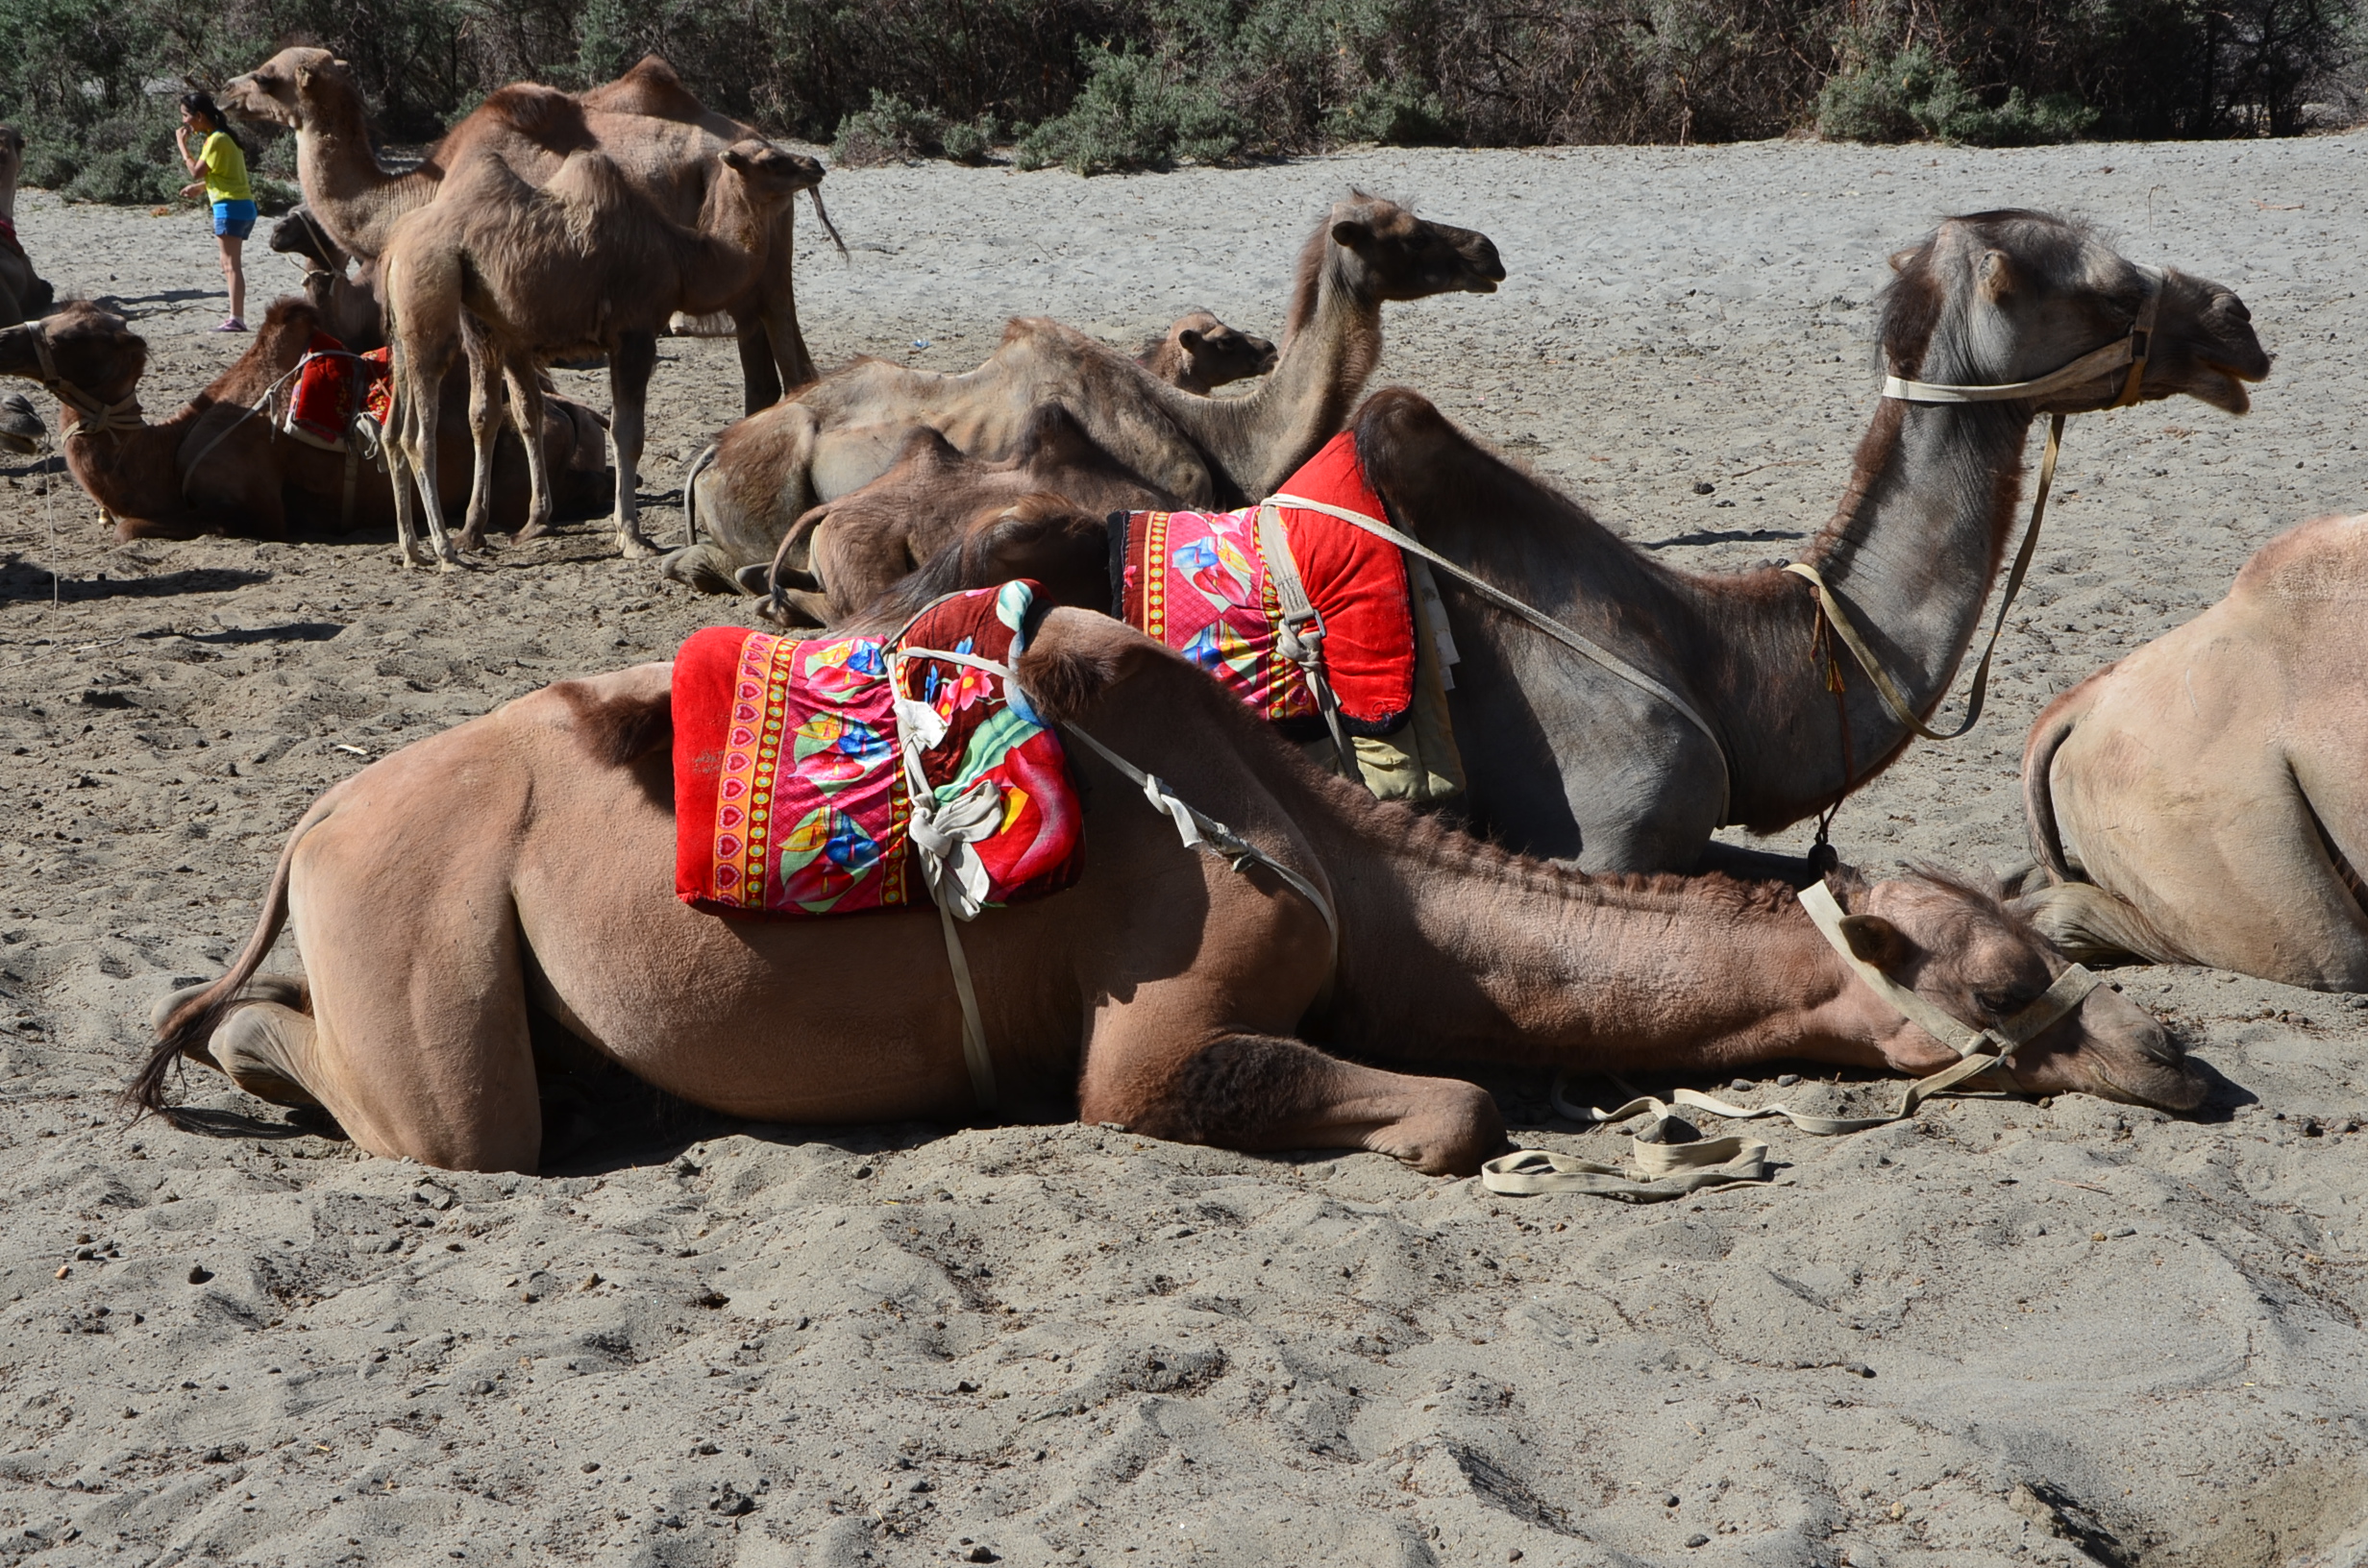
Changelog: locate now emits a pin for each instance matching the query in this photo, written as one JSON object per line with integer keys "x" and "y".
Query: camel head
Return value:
{"x": 1199, "y": 353}
{"x": 1379, "y": 249}
{"x": 2011, "y": 296}
{"x": 95, "y": 350}
{"x": 1065, "y": 548}
{"x": 770, "y": 175}
{"x": 294, "y": 87}
{"x": 1962, "y": 948}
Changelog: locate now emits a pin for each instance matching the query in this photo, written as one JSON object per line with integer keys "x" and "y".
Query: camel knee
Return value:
{"x": 1451, "y": 1130}
{"x": 264, "y": 1049}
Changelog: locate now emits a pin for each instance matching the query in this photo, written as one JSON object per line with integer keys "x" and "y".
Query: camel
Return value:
{"x": 1569, "y": 760}
{"x": 210, "y": 468}
{"x": 1201, "y": 353}
{"x": 665, "y": 141}
{"x": 773, "y": 466}
{"x": 347, "y": 305}
{"x": 583, "y": 264}
{"x": 2202, "y": 800}
{"x": 23, "y": 293}
{"x": 867, "y": 541}
{"x": 1165, "y": 992}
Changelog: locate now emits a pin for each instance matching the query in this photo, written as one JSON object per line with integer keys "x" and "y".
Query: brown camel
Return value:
{"x": 667, "y": 144}
{"x": 1165, "y": 992}
{"x": 347, "y": 305}
{"x": 584, "y": 265}
{"x": 773, "y": 466}
{"x": 1201, "y": 353}
{"x": 210, "y": 468}
{"x": 2205, "y": 800}
{"x": 867, "y": 541}
{"x": 1566, "y": 759}
{"x": 24, "y": 294}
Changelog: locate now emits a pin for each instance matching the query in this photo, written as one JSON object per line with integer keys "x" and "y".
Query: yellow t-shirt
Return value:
{"x": 226, "y": 170}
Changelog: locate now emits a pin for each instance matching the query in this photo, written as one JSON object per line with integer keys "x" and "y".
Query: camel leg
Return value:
{"x": 525, "y": 412}
{"x": 789, "y": 351}
{"x": 630, "y": 364}
{"x": 486, "y": 416}
{"x": 411, "y": 454}
{"x": 1259, "y": 1092}
{"x": 266, "y": 1050}
{"x": 760, "y": 379}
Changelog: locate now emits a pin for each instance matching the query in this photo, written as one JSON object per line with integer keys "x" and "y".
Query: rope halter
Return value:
{"x": 92, "y": 416}
{"x": 2131, "y": 350}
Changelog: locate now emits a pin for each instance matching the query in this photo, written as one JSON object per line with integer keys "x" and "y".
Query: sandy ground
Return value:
{"x": 2007, "y": 1334}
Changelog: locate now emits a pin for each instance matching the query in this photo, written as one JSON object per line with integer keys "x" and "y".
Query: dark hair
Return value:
{"x": 202, "y": 102}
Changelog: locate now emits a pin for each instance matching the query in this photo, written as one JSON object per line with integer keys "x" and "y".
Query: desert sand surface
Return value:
{"x": 2008, "y": 1333}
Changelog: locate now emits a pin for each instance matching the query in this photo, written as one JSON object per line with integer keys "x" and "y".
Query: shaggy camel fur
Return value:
{"x": 1566, "y": 759}
{"x": 773, "y": 467}
{"x": 348, "y": 306}
{"x": 24, "y": 295}
{"x": 2206, "y": 799}
{"x": 1166, "y": 992}
{"x": 668, "y": 145}
{"x": 867, "y": 541}
{"x": 583, "y": 266}
{"x": 1201, "y": 353}
{"x": 207, "y": 469}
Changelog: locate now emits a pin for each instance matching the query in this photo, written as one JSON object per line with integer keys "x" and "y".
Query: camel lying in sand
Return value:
{"x": 1163, "y": 991}
{"x": 668, "y": 144}
{"x": 584, "y": 265}
{"x": 773, "y": 466}
{"x": 2205, "y": 800}
{"x": 211, "y": 469}
{"x": 1201, "y": 353}
{"x": 24, "y": 295}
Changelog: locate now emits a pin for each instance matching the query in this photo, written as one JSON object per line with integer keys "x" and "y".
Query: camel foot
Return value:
{"x": 634, "y": 547}
{"x": 695, "y": 566}
{"x": 286, "y": 989}
{"x": 254, "y": 1048}
{"x": 532, "y": 531}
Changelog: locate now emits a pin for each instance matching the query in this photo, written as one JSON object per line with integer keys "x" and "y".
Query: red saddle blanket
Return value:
{"x": 1200, "y": 583}
{"x": 797, "y": 761}
{"x": 324, "y": 400}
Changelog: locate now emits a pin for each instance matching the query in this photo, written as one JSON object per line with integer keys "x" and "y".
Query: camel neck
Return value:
{"x": 730, "y": 247}
{"x": 1258, "y": 440}
{"x": 356, "y": 200}
{"x": 1450, "y": 946}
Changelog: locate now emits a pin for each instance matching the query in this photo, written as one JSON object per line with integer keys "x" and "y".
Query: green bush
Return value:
{"x": 1137, "y": 112}
{"x": 969, "y": 141}
{"x": 889, "y": 132}
{"x": 1913, "y": 94}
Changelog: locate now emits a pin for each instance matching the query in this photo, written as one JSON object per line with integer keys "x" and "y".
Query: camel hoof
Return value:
{"x": 249, "y": 1048}
{"x": 634, "y": 547}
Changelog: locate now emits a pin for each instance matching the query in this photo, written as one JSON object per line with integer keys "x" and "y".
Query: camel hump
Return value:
{"x": 652, "y": 87}
{"x": 544, "y": 115}
{"x": 2323, "y": 559}
{"x": 590, "y": 178}
{"x": 1078, "y": 657}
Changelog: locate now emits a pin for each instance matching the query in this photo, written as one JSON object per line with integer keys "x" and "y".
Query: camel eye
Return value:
{"x": 2000, "y": 1004}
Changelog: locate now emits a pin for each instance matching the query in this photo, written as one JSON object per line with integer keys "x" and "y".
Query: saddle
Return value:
{"x": 334, "y": 388}
{"x": 1324, "y": 629}
{"x": 798, "y": 763}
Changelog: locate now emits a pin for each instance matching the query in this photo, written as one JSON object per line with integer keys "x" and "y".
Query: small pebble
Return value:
{"x": 199, "y": 1274}
{"x": 1858, "y": 1369}
{"x": 1670, "y": 1502}
{"x": 590, "y": 1465}
{"x": 63, "y": 1270}
{"x": 1786, "y": 1080}
{"x": 1697, "y": 1540}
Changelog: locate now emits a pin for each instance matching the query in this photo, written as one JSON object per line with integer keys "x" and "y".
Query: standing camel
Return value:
{"x": 1163, "y": 991}
{"x": 583, "y": 266}
{"x": 772, "y": 468}
{"x": 213, "y": 468}
{"x": 668, "y": 145}
{"x": 1566, "y": 759}
{"x": 2205, "y": 800}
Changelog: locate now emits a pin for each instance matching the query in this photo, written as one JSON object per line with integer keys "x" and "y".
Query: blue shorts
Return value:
{"x": 234, "y": 220}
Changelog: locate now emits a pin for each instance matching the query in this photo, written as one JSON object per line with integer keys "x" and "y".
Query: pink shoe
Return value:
{"x": 231, "y": 324}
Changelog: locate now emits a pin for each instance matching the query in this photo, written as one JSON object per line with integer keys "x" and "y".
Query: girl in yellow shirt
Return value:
{"x": 219, "y": 169}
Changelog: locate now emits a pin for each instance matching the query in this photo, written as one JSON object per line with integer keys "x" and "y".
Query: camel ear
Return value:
{"x": 1873, "y": 939}
{"x": 1352, "y": 234}
{"x": 1188, "y": 340}
{"x": 1901, "y": 259}
{"x": 738, "y": 160}
{"x": 1997, "y": 274}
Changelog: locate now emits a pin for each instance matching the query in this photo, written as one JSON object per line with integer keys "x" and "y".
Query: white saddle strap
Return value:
{"x": 1302, "y": 635}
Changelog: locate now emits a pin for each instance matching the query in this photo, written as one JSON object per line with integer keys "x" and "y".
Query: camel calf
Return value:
{"x": 585, "y": 265}
{"x": 2206, "y": 799}
{"x": 1201, "y": 353}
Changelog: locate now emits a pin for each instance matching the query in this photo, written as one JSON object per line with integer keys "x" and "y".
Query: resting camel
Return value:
{"x": 1201, "y": 353}
{"x": 23, "y": 294}
{"x": 207, "y": 469}
{"x": 773, "y": 466}
{"x": 348, "y": 306}
{"x": 1565, "y": 758}
{"x": 867, "y": 541}
{"x": 2205, "y": 800}
{"x": 1163, "y": 991}
{"x": 583, "y": 266}
{"x": 667, "y": 143}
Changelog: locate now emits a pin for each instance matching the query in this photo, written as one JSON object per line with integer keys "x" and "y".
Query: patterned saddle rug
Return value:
{"x": 1201, "y": 584}
{"x": 332, "y": 386}
{"x": 798, "y": 765}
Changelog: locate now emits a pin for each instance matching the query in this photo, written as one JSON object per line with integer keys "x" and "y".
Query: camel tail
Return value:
{"x": 186, "y": 1028}
{"x": 2090, "y": 925}
{"x": 2046, "y": 739}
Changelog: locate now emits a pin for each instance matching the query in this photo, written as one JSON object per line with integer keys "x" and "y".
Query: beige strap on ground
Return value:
{"x": 1537, "y": 617}
{"x": 1716, "y": 1162}
{"x": 1300, "y": 637}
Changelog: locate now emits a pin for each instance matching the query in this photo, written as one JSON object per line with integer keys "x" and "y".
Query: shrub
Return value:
{"x": 1914, "y": 94}
{"x": 968, "y": 141}
{"x": 1137, "y": 112}
{"x": 889, "y": 132}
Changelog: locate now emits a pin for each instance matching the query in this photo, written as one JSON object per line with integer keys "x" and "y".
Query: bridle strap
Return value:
{"x": 2131, "y": 350}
